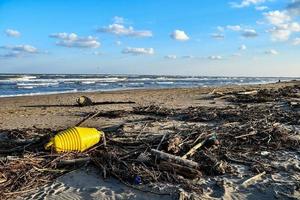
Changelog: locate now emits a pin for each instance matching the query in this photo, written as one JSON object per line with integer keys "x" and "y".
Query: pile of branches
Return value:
{"x": 266, "y": 95}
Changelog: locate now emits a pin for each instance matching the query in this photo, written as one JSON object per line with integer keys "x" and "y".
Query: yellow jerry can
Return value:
{"x": 74, "y": 139}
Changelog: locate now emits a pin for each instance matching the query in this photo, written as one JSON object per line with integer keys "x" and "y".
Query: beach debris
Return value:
{"x": 174, "y": 144}
{"x": 265, "y": 153}
{"x": 84, "y": 101}
{"x": 74, "y": 139}
{"x": 176, "y": 159}
{"x": 178, "y": 146}
{"x": 252, "y": 180}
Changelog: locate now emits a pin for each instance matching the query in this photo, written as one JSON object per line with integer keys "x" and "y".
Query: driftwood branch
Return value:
{"x": 252, "y": 180}
{"x": 87, "y": 118}
{"x": 194, "y": 149}
{"x": 176, "y": 159}
{"x": 246, "y": 135}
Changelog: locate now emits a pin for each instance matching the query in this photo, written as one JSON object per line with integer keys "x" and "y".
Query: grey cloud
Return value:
{"x": 294, "y": 7}
{"x": 14, "y": 51}
{"x": 218, "y": 36}
{"x": 21, "y": 48}
{"x": 249, "y": 33}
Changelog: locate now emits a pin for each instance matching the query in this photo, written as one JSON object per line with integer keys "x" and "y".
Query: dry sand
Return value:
{"x": 58, "y": 112}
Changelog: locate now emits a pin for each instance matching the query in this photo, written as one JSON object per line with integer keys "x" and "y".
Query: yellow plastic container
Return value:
{"x": 74, "y": 139}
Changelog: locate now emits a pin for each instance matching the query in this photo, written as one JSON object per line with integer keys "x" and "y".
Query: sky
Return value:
{"x": 172, "y": 37}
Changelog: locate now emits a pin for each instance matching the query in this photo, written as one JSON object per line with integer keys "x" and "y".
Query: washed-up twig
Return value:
{"x": 246, "y": 135}
{"x": 87, "y": 118}
{"x": 49, "y": 170}
{"x": 176, "y": 159}
{"x": 161, "y": 141}
{"x": 194, "y": 149}
{"x": 252, "y": 180}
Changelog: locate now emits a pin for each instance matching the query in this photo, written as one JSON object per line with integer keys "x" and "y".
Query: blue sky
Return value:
{"x": 235, "y": 38}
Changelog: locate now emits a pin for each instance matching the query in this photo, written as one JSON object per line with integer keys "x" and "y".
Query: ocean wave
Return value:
{"x": 37, "y": 84}
{"x": 88, "y": 82}
{"x": 165, "y": 83}
{"x": 22, "y": 78}
{"x": 26, "y": 87}
{"x": 39, "y": 93}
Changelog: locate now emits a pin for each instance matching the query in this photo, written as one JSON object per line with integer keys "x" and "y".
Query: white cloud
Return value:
{"x": 261, "y": 8}
{"x": 282, "y": 23}
{"x": 234, "y": 28}
{"x": 121, "y": 30}
{"x": 97, "y": 53}
{"x": 296, "y": 41}
{"x": 246, "y": 3}
{"x": 73, "y": 40}
{"x": 245, "y": 32}
{"x": 277, "y": 17}
{"x": 271, "y": 52}
{"x": 171, "y": 57}
{"x": 18, "y": 50}
{"x": 188, "y": 57}
{"x": 12, "y": 33}
{"x": 118, "y": 43}
{"x": 242, "y": 47}
{"x": 21, "y": 48}
{"x": 118, "y": 20}
{"x": 218, "y": 36}
{"x": 249, "y": 33}
{"x": 138, "y": 51}
{"x": 279, "y": 34}
{"x": 215, "y": 57}
{"x": 220, "y": 28}
{"x": 179, "y": 35}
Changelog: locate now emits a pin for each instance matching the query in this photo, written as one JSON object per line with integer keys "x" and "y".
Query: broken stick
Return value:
{"x": 87, "y": 118}
{"x": 245, "y": 135}
{"x": 176, "y": 159}
{"x": 252, "y": 180}
{"x": 194, "y": 149}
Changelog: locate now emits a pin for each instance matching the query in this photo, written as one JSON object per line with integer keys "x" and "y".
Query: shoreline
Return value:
{"x": 142, "y": 89}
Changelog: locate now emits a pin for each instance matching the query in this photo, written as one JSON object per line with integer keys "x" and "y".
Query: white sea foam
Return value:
{"x": 38, "y": 84}
{"x": 23, "y": 78}
{"x": 39, "y": 93}
{"x": 88, "y": 82}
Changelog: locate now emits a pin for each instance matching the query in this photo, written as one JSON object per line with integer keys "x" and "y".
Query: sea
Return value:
{"x": 38, "y": 84}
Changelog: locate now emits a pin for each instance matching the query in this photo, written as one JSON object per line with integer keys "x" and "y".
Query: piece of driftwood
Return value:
{"x": 246, "y": 135}
{"x": 194, "y": 149}
{"x": 161, "y": 141}
{"x": 175, "y": 159}
{"x": 78, "y": 161}
{"x": 252, "y": 180}
{"x": 186, "y": 172}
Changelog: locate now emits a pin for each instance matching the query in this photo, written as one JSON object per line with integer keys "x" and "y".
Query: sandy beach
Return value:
{"x": 173, "y": 111}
